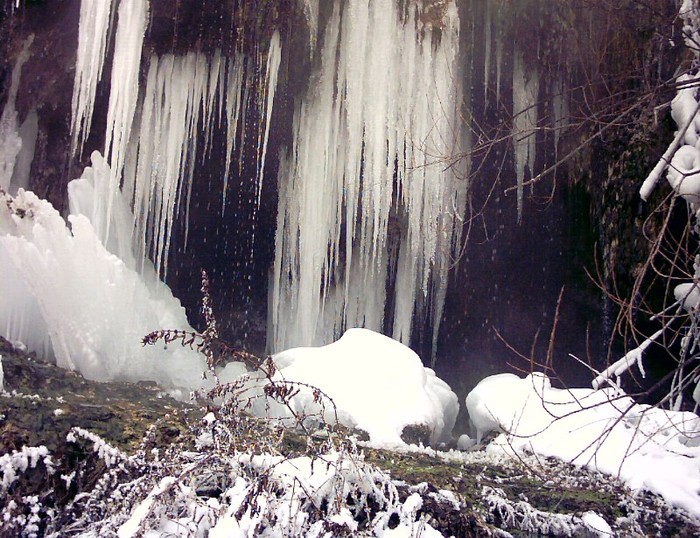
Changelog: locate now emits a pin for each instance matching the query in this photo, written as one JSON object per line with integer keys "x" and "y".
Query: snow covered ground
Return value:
{"x": 603, "y": 430}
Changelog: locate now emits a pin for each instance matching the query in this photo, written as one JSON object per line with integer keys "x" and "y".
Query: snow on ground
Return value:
{"x": 648, "y": 448}
{"x": 376, "y": 383}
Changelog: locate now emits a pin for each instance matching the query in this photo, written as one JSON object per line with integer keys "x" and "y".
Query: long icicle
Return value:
{"x": 93, "y": 31}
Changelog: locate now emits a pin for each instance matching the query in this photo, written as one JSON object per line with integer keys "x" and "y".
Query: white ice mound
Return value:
{"x": 377, "y": 384}
{"x": 648, "y": 448}
{"x": 94, "y": 308}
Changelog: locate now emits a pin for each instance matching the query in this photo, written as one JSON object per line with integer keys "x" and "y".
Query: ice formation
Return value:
{"x": 648, "y": 448}
{"x": 377, "y": 384}
{"x": 93, "y": 307}
{"x": 10, "y": 137}
{"x": 369, "y": 212}
{"x": 153, "y": 129}
{"x": 93, "y": 33}
{"x": 525, "y": 93}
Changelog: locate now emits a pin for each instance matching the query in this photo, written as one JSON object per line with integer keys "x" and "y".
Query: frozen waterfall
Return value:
{"x": 369, "y": 211}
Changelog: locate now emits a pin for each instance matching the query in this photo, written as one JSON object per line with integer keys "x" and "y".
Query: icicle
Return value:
{"x": 123, "y": 94}
{"x": 274, "y": 56}
{"x": 10, "y": 138}
{"x": 310, "y": 8}
{"x": 525, "y": 89}
{"x": 213, "y": 89}
{"x": 383, "y": 112}
{"x": 499, "y": 63}
{"x": 487, "y": 51}
{"x": 177, "y": 107}
{"x": 234, "y": 86}
{"x": 93, "y": 31}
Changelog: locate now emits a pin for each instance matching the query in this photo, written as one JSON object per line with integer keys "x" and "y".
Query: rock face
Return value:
{"x": 507, "y": 279}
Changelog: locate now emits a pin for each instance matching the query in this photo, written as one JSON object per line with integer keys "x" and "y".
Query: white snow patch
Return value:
{"x": 648, "y": 448}
{"x": 597, "y": 525}
{"x": 377, "y": 384}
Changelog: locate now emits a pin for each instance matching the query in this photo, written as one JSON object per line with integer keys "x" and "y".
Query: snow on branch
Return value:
{"x": 625, "y": 363}
{"x": 655, "y": 174}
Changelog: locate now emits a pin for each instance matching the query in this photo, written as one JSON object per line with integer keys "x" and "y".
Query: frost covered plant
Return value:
{"x": 25, "y": 515}
{"x": 262, "y": 383}
{"x": 224, "y": 488}
{"x": 522, "y": 515}
{"x": 106, "y": 452}
{"x": 14, "y": 464}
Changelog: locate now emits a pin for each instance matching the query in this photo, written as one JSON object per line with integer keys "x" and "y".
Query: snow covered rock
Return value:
{"x": 646, "y": 447}
{"x": 683, "y": 174}
{"x": 377, "y": 384}
{"x": 484, "y": 407}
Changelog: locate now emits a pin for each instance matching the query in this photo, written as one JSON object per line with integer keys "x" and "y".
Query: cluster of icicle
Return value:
{"x": 87, "y": 294}
{"x": 369, "y": 208}
{"x": 153, "y": 129}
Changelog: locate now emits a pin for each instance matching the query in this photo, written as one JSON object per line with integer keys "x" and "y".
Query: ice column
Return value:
{"x": 369, "y": 211}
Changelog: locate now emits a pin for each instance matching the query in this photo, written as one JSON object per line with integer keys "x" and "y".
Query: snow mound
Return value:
{"x": 646, "y": 447}
{"x": 377, "y": 384}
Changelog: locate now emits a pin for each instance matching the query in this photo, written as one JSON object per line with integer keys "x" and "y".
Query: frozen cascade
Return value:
{"x": 525, "y": 90}
{"x": 93, "y": 32}
{"x": 177, "y": 105}
{"x": 153, "y": 129}
{"x": 10, "y": 138}
{"x": 364, "y": 191}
